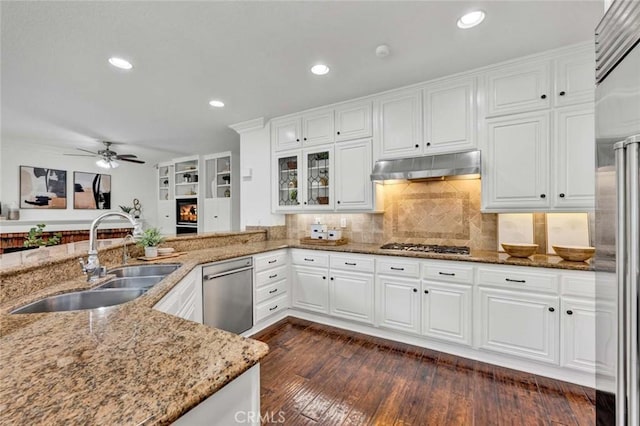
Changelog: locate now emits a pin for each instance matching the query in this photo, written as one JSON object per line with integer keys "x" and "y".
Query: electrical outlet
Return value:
{"x": 343, "y": 222}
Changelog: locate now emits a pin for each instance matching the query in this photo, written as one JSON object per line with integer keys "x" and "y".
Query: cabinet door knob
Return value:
{"x": 415, "y": 290}
{"x": 297, "y": 140}
{"x": 304, "y": 139}
{"x": 331, "y": 278}
{"x": 543, "y": 195}
{"x": 552, "y": 309}
{"x": 543, "y": 97}
{"x": 324, "y": 278}
{"x": 338, "y": 202}
{"x": 215, "y": 217}
{"x": 417, "y": 146}
{"x": 426, "y": 292}
{"x": 428, "y": 143}
{"x": 305, "y": 203}
{"x": 166, "y": 215}
{"x": 569, "y": 312}
{"x": 562, "y": 195}
{"x": 562, "y": 93}
{"x": 338, "y": 132}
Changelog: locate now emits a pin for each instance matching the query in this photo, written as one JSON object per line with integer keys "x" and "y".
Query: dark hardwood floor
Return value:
{"x": 320, "y": 375}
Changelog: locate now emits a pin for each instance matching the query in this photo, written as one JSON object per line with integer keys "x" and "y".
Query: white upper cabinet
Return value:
{"x": 518, "y": 88}
{"x": 313, "y": 128}
{"x": 400, "y": 123}
{"x": 317, "y": 127}
{"x": 353, "y": 168}
{"x": 450, "y": 116}
{"x": 353, "y": 121}
{"x": 286, "y": 133}
{"x": 574, "y": 157}
{"x": 515, "y": 164}
{"x": 575, "y": 79}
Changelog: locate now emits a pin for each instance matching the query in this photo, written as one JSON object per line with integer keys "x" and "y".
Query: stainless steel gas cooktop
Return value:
{"x": 427, "y": 248}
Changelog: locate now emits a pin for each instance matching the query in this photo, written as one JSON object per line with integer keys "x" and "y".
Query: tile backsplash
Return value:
{"x": 433, "y": 212}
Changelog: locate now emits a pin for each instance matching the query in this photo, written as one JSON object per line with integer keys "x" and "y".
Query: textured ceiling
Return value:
{"x": 255, "y": 56}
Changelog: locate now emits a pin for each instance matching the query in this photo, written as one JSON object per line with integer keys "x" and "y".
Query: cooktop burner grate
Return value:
{"x": 427, "y": 248}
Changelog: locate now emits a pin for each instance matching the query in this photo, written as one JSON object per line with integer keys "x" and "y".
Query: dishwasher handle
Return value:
{"x": 222, "y": 274}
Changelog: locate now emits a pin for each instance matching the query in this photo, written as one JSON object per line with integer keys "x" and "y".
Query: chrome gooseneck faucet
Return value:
{"x": 92, "y": 266}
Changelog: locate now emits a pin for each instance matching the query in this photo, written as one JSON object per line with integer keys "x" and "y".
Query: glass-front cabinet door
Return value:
{"x": 318, "y": 179}
{"x": 289, "y": 169}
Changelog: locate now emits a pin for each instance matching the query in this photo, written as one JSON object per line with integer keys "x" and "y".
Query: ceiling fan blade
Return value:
{"x": 80, "y": 155}
{"x": 123, "y": 156}
{"x": 86, "y": 150}
{"x": 131, "y": 160}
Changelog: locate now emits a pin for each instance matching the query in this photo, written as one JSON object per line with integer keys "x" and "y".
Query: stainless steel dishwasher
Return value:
{"x": 227, "y": 290}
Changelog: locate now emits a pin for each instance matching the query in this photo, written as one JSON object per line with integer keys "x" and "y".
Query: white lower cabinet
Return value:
{"x": 519, "y": 323}
{"x": 271, "y": 284}
{"x": 185, "y": 299}
{"x": 446, "y": 311}
{"x": 578, "y": 334}
{"x": 398, "y": 303}
{"x": 310, "y": 288}
{"x": 351, "y": 296}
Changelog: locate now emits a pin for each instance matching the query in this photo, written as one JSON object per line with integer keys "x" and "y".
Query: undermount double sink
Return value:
{"x": 129, "y": 283}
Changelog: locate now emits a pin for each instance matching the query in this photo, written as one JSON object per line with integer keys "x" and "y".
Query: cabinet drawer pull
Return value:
{"x": 273, "y": 276}
{"x": 309, "y": 260}
{"x": 562, "y": 93}
{"x": 274, "y": 308}
{"x": 448, "y": 274}
{"x": 350, "y": 264}
{"x": 426, "y": 292}
{"x": 515, "y": 281}
{"x": 569, "y": 312}
{"x": 272, "y": 261}
{"x": 393, "y": 268}
{"x": 415, "y": 290}
{"x": 273, "y": 291}
{"x": 552, "y": 309}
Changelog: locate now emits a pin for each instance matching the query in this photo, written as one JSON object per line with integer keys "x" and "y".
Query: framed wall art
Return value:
{"x": 42, "y": 188}
{"x": 91, "y": 191}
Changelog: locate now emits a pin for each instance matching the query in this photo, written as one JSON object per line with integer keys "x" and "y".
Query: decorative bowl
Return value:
{"x": 323, "y": 200}
{"x": 519, "y": 250}
{"x": 163, "y": 251}
{"x": 574, "y": 253}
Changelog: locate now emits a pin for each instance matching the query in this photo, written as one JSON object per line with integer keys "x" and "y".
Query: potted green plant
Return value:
{"x": 126, "y": 209}
{"x": 149, "y": 240}
{"x": 34, "y": 237}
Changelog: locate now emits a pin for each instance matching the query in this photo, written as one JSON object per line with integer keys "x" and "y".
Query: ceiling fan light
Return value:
{"x": 107, "y": 164}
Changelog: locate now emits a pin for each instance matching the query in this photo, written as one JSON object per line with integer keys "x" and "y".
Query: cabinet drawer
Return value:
{"x": 310, "y": 258}
{"x": 272, "y": 290}
{"x": 270, "y": 260}
{"x": 271, "y": 276}
{"x": 352, "y": 263}
{"x": 518, "y": 279}
{"x": 270, "y": 307}
{"x": 398, "y": 268}
{"x": 579, "y": 284}
{"x": 447, "y": 271}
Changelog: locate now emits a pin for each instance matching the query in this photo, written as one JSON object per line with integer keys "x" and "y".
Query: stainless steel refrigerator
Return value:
{"x": 617, "y": 217}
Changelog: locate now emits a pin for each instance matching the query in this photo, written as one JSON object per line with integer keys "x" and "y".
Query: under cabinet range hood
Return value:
{"x": 458, "y": 164}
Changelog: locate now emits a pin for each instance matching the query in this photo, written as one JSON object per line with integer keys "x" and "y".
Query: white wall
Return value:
{"x": 255, "y": 154}
{"x": 128, "y": 181}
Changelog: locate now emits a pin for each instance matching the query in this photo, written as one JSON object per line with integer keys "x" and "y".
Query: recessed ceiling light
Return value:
{"x": 320, "y": 69}
{"x": 217, "y": 104}
{"x": 470, "y": 19}
{"x": 120, "y": 63}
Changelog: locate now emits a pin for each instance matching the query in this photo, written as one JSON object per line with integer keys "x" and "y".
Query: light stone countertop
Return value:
{"x": 130, "y": 364}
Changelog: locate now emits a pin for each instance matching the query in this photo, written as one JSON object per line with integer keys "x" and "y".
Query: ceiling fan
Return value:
{"x": 107, "y": 157}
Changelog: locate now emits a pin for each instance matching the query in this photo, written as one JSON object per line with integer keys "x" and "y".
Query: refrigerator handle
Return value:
{"x": 628, "y": 274}
{"x": 633, "y": 256}
{"x": 621, "y": 245}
